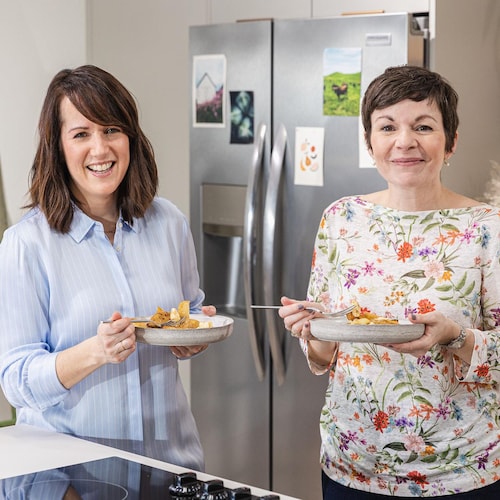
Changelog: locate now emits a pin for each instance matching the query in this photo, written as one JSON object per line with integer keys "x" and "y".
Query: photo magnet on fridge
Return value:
{"x": 242, "y": 114}
{"x": 309, "y": 145}
{"x": 209, "y": 84}
{"x": 341, "y": 81}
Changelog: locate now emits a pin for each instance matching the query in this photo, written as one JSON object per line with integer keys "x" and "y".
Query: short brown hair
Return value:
{"x": 415, "y": 83}
{"x": 102, "y": 99}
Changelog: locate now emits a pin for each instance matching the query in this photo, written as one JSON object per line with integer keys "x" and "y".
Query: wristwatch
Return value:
{"x": 458, "y": 342}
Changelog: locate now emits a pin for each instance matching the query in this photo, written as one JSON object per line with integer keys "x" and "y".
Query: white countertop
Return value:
{"x": 25, "y": 449}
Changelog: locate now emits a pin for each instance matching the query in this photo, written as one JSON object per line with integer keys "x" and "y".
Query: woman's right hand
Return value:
{"x": 297, "y": 318}
{"x": 297, "y": 321}
{"x": 113, "y": 343}
{"x": 117, "y": 339}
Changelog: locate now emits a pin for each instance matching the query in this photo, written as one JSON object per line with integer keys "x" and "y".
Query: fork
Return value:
{"x": 313, "y": 310}
{"x": 327, "y": 314}
{"x": 139, "y": 319}
{"x": 170, "y": 322}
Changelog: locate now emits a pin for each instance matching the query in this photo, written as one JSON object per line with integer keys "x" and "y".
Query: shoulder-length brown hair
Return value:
{"x": 102, "y": 99}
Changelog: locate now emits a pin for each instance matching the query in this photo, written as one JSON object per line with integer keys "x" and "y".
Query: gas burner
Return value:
{"x": 119, "y": 479}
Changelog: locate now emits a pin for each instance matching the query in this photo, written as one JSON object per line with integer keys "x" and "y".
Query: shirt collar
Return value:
{"x": 82, "y": 224}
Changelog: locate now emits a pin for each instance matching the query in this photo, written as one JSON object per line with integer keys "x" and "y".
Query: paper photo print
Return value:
{"x": 242, "y": 123}
{"x": 209, "y": 84}
{"x": 309, "y": 145}
{"x": 341, "y": 81}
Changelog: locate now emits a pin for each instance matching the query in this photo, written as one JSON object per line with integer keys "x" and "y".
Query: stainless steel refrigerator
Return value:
{"x": 255, "y": 401}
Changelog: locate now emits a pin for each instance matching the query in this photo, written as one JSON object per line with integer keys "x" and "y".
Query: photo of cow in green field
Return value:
{"x": 341, "y": 82}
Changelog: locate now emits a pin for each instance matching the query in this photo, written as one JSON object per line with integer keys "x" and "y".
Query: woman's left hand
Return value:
{"x": 438, "y": 330}
{"x": 183, "y": 352}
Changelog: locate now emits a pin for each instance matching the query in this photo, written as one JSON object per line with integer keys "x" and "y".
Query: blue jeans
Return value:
{"x": 335, "y": 491}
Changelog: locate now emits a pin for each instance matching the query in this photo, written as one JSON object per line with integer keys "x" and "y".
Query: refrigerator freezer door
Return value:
{"x": 229, "y": 400}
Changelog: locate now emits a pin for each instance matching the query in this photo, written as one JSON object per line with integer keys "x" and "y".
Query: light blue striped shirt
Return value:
{"x": 54, "y": 290}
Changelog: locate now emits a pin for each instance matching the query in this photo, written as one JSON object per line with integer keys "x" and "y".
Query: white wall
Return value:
{"x": 145, "y": 44}
{"x": 36, "y": 39}
{"x": 466, "y": 49}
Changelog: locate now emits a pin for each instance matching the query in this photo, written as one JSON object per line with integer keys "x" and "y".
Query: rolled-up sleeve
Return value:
{"x": 27, "y": 367}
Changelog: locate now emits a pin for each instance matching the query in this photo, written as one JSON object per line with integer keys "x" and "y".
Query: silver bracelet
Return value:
{"x": 458, "y": 342}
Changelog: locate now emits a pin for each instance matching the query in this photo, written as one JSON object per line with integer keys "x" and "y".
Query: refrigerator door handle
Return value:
{"x": 271, "y": 251}
{"x": 251, "y": 257}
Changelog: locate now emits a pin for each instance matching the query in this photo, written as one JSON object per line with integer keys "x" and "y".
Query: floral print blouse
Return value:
{"x": 394, "y": 424}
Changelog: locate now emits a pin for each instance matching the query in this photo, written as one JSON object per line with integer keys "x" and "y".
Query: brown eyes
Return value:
{"x": 106, "y": 131}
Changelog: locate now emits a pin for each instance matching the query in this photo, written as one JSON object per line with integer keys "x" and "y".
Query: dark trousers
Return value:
{"x": 335, "y": 491}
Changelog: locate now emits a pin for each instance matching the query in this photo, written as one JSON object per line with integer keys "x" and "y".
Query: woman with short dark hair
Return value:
{"x": 408, "y": 418}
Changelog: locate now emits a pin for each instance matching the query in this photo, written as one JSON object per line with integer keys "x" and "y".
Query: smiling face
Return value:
{"x": 408, "y": 144}
{"x": 97, "y": 156}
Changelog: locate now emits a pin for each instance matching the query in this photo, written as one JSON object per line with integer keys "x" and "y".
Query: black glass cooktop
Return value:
{"x": 118, "y": 479}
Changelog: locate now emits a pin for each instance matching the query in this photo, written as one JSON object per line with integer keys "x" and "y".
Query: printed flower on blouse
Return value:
{"x": 425, "y": 306}
{"x": 414, "y": 442}
{"x": 418, "y": 478}
{"x": 483, "y": 373}
{"x": 496, "y": 315}
{"x": 434, "y": 269}
{"x": 381, "y": 421}
{"x": 405, "y": 251}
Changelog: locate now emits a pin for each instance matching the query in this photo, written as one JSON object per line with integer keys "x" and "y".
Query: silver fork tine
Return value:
{"x": 135, "y": 320}
{"x": 157, "y": 325}
{"x": 343, "y": 312}
{"x": 310, "y": 309}
{"x": 174, "y": 322}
